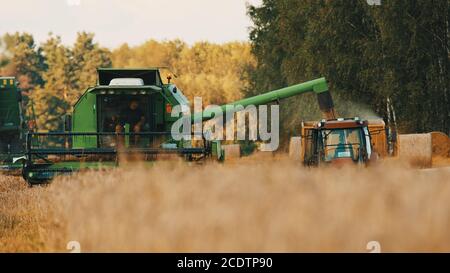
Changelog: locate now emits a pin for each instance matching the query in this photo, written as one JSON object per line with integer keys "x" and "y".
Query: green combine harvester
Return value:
{"x": 12, "y": 124}
{"x": 128, "y": 114}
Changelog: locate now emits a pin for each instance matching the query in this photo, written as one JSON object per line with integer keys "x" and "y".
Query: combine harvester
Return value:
{"x": 12, "y": 124}
{"x": 92, "y": 139}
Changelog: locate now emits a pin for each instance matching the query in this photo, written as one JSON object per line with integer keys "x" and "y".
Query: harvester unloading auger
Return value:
{"x": 89, "y": 142}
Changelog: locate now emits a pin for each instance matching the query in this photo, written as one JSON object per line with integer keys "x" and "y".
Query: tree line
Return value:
{"x": 390, "y": 61}
{"x": 53, "y": 76}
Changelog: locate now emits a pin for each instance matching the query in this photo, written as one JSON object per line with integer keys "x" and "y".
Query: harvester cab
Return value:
{"x": 11, "y": 122}
{"x": 125, "y": 101}
{"x": 128, "y": 112}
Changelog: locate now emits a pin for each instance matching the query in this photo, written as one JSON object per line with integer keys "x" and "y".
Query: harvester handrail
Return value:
{"x": 96, "y": 133}
{"x": 36, "y": 150}
{"x": 96, "y": 151}
{"x": 31, "y": 135}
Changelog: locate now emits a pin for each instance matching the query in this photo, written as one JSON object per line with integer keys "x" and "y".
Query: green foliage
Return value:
{"x": 215, "y": 72}
{"x": 51, "y": 100}
{"x": 52, "y": 75}
{"x": 369, "y": 54}
{"x": 19, "y": 57}
{"x": 86, "y": 57}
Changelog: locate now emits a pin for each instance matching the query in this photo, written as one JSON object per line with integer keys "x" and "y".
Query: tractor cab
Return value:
{"x": 343, "y": 141}
{"x": 126, "y": 116}
{"x": 336, "y": 142}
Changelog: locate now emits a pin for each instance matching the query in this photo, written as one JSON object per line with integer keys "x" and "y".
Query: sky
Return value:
{"x": 133, "y": 21}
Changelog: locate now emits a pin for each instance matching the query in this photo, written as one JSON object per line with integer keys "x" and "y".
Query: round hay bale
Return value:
{"x": 416, "y": 149}
{"x": 440, "y": 144}
{"x": 295, "y": 148}
{"x": 231, "y": 151}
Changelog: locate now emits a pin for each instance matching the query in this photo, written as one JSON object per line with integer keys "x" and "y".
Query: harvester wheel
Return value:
{"x": 30, "y": 180}
{"x": 25, "y": 175}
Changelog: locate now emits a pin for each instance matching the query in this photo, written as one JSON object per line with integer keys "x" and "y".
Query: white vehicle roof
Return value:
{"x": 127, "y": 81}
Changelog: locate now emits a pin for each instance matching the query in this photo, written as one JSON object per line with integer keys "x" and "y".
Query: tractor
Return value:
{"x": 341, "y": 141}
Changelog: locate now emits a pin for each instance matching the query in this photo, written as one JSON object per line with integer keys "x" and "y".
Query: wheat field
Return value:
{"x": 258, "y": 205}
